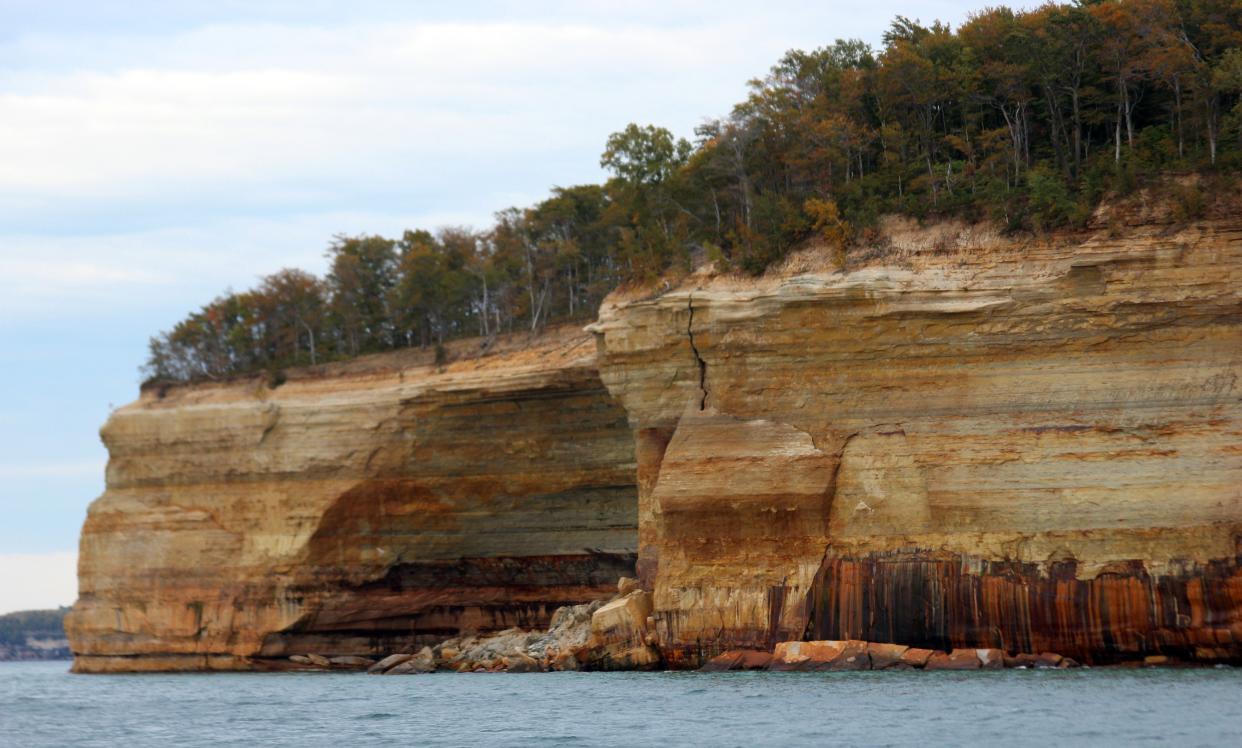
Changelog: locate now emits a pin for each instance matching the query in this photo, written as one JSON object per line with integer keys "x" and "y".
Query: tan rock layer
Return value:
{"x": 356, "y": 512}
{"x": 962, "y": 431}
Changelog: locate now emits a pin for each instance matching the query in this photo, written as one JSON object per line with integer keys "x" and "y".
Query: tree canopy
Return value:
{"x": 1022, "y": 117}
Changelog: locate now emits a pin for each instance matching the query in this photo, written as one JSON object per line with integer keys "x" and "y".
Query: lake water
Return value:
{"x": 42, "y": 705}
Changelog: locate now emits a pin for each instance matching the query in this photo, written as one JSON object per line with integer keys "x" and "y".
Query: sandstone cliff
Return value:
{"x": 367, "y": 508}
{"x": 964, "y": 441}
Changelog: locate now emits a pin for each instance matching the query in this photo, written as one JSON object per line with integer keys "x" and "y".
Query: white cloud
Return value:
{"x": 164, "y": 169}
{"x": 252, "y": 105}
{"x": 75, "y": 468}
{"x": 243, "y": 105}
{"x": 70, "y": 273}
{"x": 178, "y": 266}
{"x": 30, "y": 581}
{"x": 136, "y": 167}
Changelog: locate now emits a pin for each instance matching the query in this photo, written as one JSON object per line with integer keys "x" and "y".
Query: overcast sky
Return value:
{"x": 155, "y": 153}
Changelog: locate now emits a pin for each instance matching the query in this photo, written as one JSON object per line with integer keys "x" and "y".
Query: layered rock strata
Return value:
{"x": 964, "y": 441}
{"x": 357, "y": 510}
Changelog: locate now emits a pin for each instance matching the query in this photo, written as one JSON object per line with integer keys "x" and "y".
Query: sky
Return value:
{"x": 154, "y": 153}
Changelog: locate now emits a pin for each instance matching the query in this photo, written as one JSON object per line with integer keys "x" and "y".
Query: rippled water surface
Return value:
{"x": 42, "y": 705}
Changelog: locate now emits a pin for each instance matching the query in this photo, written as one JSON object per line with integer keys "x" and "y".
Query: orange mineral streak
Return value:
{"x": 944, "y": 601}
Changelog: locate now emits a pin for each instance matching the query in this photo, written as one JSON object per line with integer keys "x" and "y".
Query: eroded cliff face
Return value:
{"x": 964, "y": 441}
{"x": 367, "y": 509}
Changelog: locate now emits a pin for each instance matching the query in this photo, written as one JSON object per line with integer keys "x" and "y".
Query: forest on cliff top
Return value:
{"x": 1024, "y": 118}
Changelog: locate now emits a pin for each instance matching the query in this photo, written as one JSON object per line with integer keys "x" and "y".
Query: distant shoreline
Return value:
{"x": 34, "y": 635}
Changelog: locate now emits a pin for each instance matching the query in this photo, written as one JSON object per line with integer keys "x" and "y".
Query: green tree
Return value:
{"x": 363, "y": 272}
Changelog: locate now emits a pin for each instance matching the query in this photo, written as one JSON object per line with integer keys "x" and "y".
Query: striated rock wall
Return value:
{"x": 364, "y": 509}
{"x": 966, "y": 441}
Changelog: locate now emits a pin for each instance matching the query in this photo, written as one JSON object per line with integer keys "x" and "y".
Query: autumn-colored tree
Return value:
{"x": 292, "y": 305}
{"x": 827, "y": 222}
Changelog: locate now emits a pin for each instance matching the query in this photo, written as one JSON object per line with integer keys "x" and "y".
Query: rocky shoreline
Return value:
{"x": 612, "y": 634}
{"x": 617, "y": 634}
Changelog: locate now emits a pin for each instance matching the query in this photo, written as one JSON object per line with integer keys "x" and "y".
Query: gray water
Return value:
{"x": 42, "y": 705}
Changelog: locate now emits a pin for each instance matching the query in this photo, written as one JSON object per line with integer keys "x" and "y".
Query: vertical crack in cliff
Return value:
{"x": 830, "y": 495}
{"x": 811, "y": 603}
{"x": 697, "y": 357}
{"x": 271, "y": 415}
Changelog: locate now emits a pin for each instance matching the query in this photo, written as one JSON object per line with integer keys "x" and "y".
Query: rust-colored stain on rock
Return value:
{"x": 942, "y": 601}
